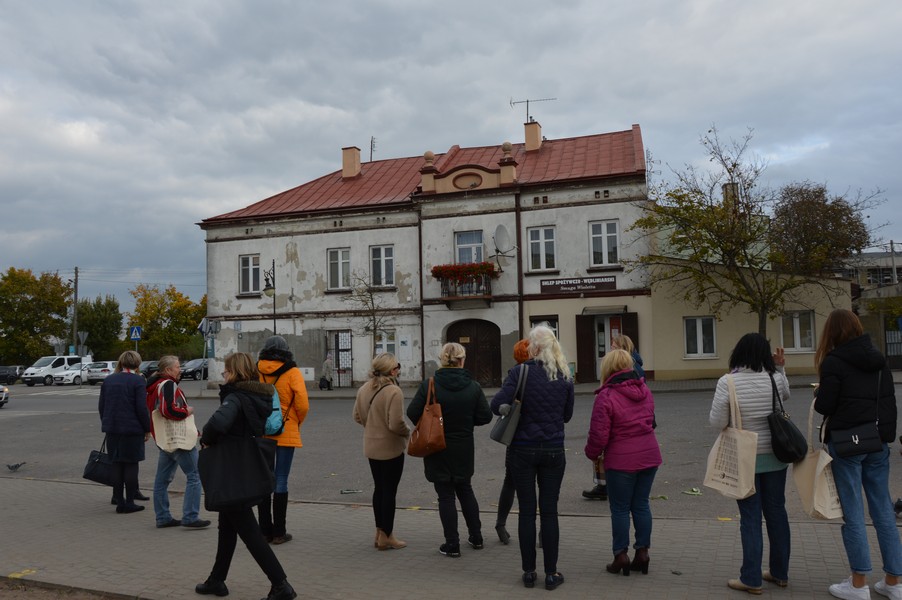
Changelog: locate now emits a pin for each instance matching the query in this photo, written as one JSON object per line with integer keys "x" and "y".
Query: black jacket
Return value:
{"x": 243, "y": 410}
{"x": 848, "y": 395}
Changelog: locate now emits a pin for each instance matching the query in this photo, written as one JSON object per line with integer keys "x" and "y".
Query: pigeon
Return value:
{"x": 15, "y": 467}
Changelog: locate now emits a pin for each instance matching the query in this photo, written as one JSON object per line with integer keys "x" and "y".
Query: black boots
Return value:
{"x": 640, "y": 561}
{"x": 599, "y": 492}
{"x": 281, "y": 591}
{"x": 279, "y": 510}
{"x": 264, "y": 517}
{"x": 212, "y": 587}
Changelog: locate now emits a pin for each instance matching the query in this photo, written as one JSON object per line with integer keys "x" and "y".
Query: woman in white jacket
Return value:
{"x": 756, "y": 373}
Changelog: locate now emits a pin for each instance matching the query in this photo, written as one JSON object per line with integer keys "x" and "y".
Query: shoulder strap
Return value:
{"x": 879, "y": 377}
{"x": 521, "y": 382}
{"x": 377, "y": 393}
{"x": 430, "y": 395}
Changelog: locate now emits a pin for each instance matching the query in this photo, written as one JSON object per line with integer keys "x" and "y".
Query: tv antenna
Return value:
{"x": 526, "y": 102}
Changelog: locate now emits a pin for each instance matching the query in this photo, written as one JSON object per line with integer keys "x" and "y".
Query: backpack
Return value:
{"x": 275, "y": 423}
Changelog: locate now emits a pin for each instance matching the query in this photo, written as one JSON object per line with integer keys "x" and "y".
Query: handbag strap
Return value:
{"x": 430, "y": 395}
{"x": 776, "y": 400}
{"x": 521, "y": 383}
{"x": 735, "y": 416}
{"x": 820, "y": 434}
{"x": 877, "y": 406}
{"x": 377, "y": 393}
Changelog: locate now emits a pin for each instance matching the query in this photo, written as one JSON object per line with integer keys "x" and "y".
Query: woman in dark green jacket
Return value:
{"x": 463, "y": 407}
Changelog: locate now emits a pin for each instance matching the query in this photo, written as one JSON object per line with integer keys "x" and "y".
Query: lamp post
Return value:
{"x": 270, "y": 290}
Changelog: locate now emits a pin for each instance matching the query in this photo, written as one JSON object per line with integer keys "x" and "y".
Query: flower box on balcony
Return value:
{"x": 464, "y": 272}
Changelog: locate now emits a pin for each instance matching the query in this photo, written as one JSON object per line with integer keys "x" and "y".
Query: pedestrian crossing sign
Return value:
{"x": 135, "y": 333}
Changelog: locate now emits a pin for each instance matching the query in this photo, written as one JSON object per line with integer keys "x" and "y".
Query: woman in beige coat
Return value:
{"x": 380, "y": 409}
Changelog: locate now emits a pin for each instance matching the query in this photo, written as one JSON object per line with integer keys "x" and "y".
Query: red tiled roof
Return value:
{"x": 392, "y": 181}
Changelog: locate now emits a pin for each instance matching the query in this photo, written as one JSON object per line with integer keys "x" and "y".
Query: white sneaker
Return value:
{"x": 847, "y": 591}
{"x": 890, "y": 591}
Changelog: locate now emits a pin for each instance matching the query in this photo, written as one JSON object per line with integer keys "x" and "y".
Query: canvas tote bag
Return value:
{"x": 813, "y": 476}
{"x": 731, "y": 462}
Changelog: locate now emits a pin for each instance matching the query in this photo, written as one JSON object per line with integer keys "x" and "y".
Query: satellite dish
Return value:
{"x": 502, "y": 240}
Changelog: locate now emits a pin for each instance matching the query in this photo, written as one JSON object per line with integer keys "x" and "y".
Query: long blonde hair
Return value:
{"x": 614, "y": 361}
{"x": 452, "y": 355}
{"x": 543, "y": 345}
{"x": 380, "y": 371}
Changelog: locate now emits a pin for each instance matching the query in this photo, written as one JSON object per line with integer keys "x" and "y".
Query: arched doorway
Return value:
{"x": 482, "y": 340}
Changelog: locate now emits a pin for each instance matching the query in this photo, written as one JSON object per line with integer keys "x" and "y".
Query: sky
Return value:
{"x": 124, "y": 124}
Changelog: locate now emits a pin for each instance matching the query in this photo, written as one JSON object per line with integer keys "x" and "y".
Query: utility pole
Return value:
{"x": 892, "y": 254}
{"x": 75, "y": 316}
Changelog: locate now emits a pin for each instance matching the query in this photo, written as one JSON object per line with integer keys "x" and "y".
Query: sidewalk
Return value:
{"x": 67, "y": 534}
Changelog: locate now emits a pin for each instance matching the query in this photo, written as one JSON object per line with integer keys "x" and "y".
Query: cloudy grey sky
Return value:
{"x": 122, "y": 124}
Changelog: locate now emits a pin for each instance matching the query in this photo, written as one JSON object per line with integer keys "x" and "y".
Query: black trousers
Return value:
{"x": 447, "y": 508}
{"x": 386, "y": 477}
{"x": 241, "y": 523}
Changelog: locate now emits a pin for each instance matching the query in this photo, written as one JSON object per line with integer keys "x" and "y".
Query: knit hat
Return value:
{"x": 521, "y": 351}
{"x": 275, "y": 342}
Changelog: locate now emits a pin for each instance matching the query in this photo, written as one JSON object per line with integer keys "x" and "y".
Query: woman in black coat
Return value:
{"x": 245, "y": 405}
{"x": 463, "y": 407}
{"x": 126, "y": 423}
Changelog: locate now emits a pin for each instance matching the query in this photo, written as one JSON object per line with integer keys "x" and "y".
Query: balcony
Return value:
{"x": 466, "y": 284}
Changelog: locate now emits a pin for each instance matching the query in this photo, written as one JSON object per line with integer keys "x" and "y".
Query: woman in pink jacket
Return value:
{"x": 622, "y": 433}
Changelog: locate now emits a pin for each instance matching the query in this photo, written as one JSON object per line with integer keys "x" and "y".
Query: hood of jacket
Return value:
{"x": 453, "y": 379}
{"x": 275, "y": 354}
{"x": 861, "y": 353}
{"x": 260, "y": 394}
{"x": 268, "y": 367}
{"x": 629, "y": 384}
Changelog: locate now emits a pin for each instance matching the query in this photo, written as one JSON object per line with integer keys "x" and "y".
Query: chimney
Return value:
{"x": 427, "y": 173}
{"x": 533, "y": 135}
{"x": 508, "y": 165}
{"x": 350, "y": 162}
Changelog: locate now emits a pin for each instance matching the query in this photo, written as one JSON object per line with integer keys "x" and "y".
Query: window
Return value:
{"x": 541, "y": 248}
{"x": 469, "y": 246}
{"x": 339, "y": 268}
{"x": 798, "y": 331}
{"x": 699, "y": 336}
{"x": 605, "y": 240}
{"x": 548, "y": 320}
{"x": 382, "y": 261}
{"x": 385, "y": 342}
{"x": 249, "y": 274}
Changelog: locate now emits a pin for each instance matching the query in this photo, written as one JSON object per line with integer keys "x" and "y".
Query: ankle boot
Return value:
{"x": 640, "y": 561}
{"x": 621, "y": 563}
{"x": 281, "y": 591}
{"x": 264, "y": 517}
{"x": 394, "y": 543}
{"x": 279, "y": 509}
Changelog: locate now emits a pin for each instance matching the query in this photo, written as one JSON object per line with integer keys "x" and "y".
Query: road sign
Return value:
{"x": 135, "y": 333}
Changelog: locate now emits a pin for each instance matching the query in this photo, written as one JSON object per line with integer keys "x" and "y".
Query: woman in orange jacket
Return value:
{"x": 277, "y": 367}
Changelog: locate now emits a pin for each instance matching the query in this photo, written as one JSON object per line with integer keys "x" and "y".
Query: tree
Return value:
{"x": 369, "y": 306}
{"x": 32, "y": 314}
{"x": 168, "y": 320}
{"x": 715, "y": 231}
{"x": 102, "y": 321}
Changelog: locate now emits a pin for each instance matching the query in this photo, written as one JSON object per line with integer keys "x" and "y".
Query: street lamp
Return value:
{"x": 270, "y": 290}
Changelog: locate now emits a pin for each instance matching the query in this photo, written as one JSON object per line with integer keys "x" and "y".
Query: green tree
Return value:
{"x": 33, "y": 311}
{"x": 168, "y": 319}
{"x": 712, "y": 232}
{"x": 102, "y": 320}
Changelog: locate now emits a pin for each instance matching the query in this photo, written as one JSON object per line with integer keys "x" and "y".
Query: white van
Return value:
{"x": 43, "y": 370}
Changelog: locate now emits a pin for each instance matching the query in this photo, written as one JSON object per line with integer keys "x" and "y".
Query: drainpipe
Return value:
{"x": 519, "y": 265}
{"x": 422, "y": 320}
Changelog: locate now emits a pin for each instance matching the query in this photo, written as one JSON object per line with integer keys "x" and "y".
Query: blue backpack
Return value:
{"x": 276, "y": 420}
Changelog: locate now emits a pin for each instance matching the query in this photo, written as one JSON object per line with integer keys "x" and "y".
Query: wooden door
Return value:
{"x": 482, "y": 341}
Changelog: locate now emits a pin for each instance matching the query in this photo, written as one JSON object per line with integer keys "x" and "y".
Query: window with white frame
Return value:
{"x": 604, "y": 237}
{"x": 699, "y": 333}
{"x": 541, "y": 248}
{"x": 385, "y": 342}
{"x": 382, "y": 265}
{"x": 249, "y": 274}
{"x": 339, "y": 268}
{"x": 469, "y": 246}
{"x": 798, "y": 331}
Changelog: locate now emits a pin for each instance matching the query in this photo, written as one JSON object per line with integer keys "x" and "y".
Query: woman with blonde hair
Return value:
{"x": 621, "y": 433}
{"x": 536, "y": 454}
{"x": 856, "y": 388}
{"x": 463, "y": 407}
{"x": 380, "y": 409}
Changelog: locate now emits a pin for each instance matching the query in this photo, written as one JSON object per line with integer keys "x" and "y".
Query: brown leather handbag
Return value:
{"x": 428, "y": 437}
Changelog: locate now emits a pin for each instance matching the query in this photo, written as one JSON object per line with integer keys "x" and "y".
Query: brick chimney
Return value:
{"x": 350, "y": 162}
{"x": 533, "y": 135}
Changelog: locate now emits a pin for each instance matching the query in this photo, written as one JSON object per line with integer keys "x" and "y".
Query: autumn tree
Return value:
{"x": 102, "y": 321}
{"x": 33, "y": 311}
{"x": 716, "y": 238}
{"x": 368, "y": 306}
{"x": 168, "y": 319}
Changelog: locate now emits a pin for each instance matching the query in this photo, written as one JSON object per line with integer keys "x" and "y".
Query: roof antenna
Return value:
{"x": 526, "y": 102}
{"x": 372, "y": 147}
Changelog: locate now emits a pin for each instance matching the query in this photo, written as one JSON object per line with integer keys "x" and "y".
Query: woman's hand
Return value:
{"x": 779, "y": 357}
{"x": 146, "y": 436}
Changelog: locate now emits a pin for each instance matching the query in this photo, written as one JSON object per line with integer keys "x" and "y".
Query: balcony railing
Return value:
{"x": 475, "y": 286}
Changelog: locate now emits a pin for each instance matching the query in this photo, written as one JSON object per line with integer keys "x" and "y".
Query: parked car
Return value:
{"x": 73, "y": 375}
{"x": 148, "y": 368}
{"x": 4, "y": 395}
{"x": 43, "y": 370}
{"x": 98, "y": 371}
{"x": 11, "y": 373}
{"x": 195, "y": 369}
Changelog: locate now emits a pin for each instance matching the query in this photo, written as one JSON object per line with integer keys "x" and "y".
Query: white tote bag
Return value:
{"x": 174, "y": 435}
{"x": 813, "y": 476}
{"x": 731, "y": 462}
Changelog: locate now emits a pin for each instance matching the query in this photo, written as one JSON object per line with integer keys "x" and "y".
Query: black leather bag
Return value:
{"x": 787, "y": 442}
{"x": 99, "y": 467}
{"x": 237, "y": 472}
{"x": 861, "y": 439}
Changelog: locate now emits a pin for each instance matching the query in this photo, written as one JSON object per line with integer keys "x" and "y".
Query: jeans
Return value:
{"x": 284, "y": 457}
{"x": 447, "y": 509}
{"x": 769, "y": 499}
{"x": 628, "y": 494}
{"x": 872, "y": 472}
{"x": 506, "y": 498}
{"x": 530, "y": 465}
{"x": 186, "y": 460}
{"x": 386, "y": 477}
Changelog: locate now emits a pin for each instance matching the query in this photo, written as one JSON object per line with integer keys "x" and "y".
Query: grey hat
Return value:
{"x": 276, "y": 342}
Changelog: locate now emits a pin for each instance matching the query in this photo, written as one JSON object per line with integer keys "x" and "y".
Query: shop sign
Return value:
{"x": 582, "y": 284}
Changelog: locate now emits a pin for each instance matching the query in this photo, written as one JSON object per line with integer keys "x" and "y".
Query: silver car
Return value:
{"x": 98, "y": 371}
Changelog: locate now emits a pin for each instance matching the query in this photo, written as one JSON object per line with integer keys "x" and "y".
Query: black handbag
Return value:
{"x": 787, "y": 442}
{"x": 860, "y": 439}
{"x": 100, "y": 466}
{"x": 506, "y": 426}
